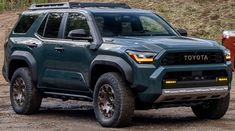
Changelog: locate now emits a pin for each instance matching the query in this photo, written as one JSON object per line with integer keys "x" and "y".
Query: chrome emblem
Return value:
{"x": 196, "y": 57}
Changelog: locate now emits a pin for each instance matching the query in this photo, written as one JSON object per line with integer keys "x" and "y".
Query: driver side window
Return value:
{"x": 76, "y": 21}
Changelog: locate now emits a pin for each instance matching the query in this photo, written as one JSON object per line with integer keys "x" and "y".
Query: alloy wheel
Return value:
{"x": 18, "y": 91}
{"x": 106, "y": 101}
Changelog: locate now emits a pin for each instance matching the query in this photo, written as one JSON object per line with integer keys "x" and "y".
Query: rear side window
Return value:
{"x": 25, "y": 23}
{"x": 51, "y": 25}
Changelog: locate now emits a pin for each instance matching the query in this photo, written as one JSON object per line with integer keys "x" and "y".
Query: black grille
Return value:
{"x": 195, "y": 75}
{"x": 186, "y": 58}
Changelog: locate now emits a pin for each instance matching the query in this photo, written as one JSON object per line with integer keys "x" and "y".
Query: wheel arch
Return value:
{"x": 22, "y": 59}
{"x": 104, "y": 63}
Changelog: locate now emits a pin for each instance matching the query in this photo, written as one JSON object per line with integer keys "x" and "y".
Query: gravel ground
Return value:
{"x": 57, "y": 115}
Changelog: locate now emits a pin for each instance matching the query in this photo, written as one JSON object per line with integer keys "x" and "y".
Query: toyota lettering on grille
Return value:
{"x": 196, "y": 57}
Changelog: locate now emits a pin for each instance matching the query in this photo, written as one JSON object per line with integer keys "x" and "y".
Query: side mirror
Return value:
{"x": 79, "y": 34}
{"x": 182, "y": 32}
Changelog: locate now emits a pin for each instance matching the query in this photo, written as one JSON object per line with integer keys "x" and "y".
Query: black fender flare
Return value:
{"x": 28, "y": 58}
{"x": 114, "y": 61}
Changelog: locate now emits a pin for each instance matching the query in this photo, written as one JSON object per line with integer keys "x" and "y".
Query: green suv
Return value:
{"x": 119, "y": 58}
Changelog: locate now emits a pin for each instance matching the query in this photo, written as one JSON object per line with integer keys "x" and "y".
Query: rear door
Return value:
{"x": 49, "y": 33}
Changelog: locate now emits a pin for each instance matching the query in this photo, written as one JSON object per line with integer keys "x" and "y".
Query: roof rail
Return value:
{"x": 72, "y": 5}
{"x": 49, "y": 6}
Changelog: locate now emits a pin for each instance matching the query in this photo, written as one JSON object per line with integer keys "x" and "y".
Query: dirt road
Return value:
{"x": 57, "y": 115}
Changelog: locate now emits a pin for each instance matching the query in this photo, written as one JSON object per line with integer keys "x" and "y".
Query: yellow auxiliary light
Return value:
{"x": 170, "y": 81}
{"x": 222, "y": 78}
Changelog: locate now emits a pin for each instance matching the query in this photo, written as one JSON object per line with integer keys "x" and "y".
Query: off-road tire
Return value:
{"x": 32, "y": 97}
{"x": 214, "y": 109}
{"x": 124, "y": 101}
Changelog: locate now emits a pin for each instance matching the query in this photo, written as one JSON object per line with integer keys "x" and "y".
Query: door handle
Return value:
{"x": 59, "y": 49}
{"x": 32, "y": 45}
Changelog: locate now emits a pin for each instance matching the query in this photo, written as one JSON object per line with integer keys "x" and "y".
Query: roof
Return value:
{"x": 89, "y": 10}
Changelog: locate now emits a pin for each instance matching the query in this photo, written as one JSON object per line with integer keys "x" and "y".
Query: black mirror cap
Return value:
{"x": 182, "y": 32}
{"x": 79, "y": 34}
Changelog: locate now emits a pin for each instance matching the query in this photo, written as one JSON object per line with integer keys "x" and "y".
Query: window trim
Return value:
{"x": 45, "y": 18}
{"x": 59, "y": 40}
{"x": 94, "y": 30}
{"x": 63, "y": 28}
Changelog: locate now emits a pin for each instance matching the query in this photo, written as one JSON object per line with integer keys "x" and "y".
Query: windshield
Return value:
{"x": 132, "y": 24}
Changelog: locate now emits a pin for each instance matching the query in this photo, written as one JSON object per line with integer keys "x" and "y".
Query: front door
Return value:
{"x": 73, "y": 61}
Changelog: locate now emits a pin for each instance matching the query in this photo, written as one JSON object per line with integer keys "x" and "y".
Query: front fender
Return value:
{"x": 114, "y": 61}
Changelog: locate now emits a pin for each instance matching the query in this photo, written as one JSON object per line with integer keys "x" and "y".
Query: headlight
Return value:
{"x": 142, "y": 57}
{"x": 227, "y": 55}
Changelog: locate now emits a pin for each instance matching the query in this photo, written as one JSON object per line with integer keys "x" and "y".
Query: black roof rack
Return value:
{"x": 72, "y": 5}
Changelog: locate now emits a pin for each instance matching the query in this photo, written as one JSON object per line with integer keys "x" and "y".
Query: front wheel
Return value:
{"x": 113, "y": 101}
{"x": 214, "y": 109}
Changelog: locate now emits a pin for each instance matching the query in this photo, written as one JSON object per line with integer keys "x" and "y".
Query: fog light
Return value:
{"x": 170, "y": 81}
{"x": 222, "y": 78}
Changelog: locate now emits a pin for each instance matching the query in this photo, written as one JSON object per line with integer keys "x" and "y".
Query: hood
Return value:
{"x": 167, "y": 43}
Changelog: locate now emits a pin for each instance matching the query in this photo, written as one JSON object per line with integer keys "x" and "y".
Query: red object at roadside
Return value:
{"x": 229, "y": 42}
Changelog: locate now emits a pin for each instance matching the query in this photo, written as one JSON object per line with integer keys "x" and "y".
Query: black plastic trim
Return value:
{"x": 28, "y": 58}
{"x": 114, "y": 61}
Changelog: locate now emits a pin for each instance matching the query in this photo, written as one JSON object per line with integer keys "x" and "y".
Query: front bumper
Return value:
{"x": 150, "y": 79}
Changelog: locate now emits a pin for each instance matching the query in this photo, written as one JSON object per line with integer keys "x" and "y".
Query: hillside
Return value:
{"x": 202, "y": 18}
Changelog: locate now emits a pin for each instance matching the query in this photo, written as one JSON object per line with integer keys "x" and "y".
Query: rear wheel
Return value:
{"x": 25, "y": 98}
{"x": 214, "y": 109}
{"x": 113, "y": 101}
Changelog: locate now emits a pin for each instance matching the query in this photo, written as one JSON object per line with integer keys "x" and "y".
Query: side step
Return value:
{"x": 65, "y": 96}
